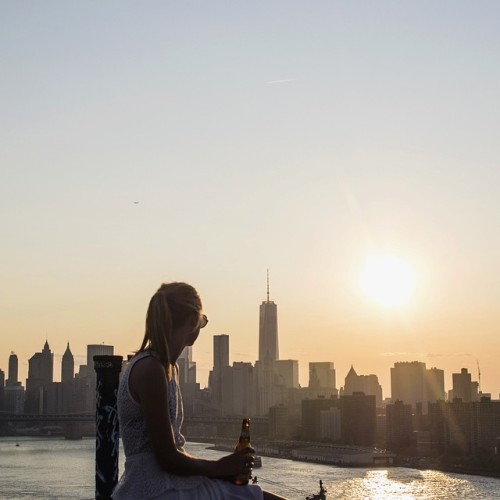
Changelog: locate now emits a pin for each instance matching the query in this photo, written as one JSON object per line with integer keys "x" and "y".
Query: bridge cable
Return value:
{"x": 276, "y": 483}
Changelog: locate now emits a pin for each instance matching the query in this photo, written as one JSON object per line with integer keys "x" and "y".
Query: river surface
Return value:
{"x": 53, "y": 468}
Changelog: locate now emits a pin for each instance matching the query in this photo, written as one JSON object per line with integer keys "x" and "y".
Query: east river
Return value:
{"x": 53, "y": 468}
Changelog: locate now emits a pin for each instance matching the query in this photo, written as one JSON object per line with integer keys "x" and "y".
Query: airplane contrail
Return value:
{"x": 288, "y": 80}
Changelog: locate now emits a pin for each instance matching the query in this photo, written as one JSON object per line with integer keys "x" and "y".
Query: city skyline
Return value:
{"x": 387, "y": 391}
{"x": 352, "y": 149}
{"x": 204, "y": 365}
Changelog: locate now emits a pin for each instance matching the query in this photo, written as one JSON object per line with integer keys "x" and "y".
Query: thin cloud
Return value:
{"x": 426, "y": 354}
{"x": 298, "y": 353}
{"x": 286, "y": 80}
{"x": 448, "y": 355}
{"x": 392, "y": 354}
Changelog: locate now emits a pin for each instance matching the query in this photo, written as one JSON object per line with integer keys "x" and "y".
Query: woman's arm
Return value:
{"x": 148, "y": 385}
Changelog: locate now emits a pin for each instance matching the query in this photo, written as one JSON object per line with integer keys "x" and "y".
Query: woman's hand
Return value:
{"x": 240, "y": 462}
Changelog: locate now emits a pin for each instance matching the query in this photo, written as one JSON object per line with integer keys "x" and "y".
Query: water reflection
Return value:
{"x": 296, "y": 480}
{"x": 404, "y": 475}
{"x": 406, "y": 484}
{"x": 54, "y": 468}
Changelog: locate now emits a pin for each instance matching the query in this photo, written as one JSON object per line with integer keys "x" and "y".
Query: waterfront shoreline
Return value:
{"x": 286, "y": 451}
{"x": 263, "y": 451}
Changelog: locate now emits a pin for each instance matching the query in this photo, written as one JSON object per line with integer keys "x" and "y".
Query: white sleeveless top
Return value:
{"x": 143, "y": 478}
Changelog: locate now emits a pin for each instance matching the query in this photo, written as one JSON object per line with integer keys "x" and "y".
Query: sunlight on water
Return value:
{"x": 364, "y": 484}
{"x": 407, "y": 484}
{"x": 58, "y": 469}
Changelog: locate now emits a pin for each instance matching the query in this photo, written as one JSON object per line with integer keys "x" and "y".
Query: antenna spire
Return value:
{"x": 268, "y": 285}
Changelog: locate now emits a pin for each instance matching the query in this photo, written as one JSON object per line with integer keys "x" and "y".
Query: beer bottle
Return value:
{"x": 244, "y": 442}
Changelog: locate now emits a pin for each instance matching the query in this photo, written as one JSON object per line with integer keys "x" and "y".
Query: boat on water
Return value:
{"x": 321, "y": 495}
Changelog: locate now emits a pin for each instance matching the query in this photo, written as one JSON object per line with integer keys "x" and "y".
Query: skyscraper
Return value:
{"x": 67, "y": 366}
{"x": 221, "y": 351}
{"x": 14, "y": 391}
{"x": 435, "y": 384}
{"x": 399, "y": 427}
{"x": 97, "y": 350}
{"x": 408, "y": 382}
{"x": 322, "y": 375}
{"x": 413, "y": 383}
{"x": 238, "y": 389}
{"x": 2, "y": 384}
{"x": 90, "y": 379}
{"x": 187, "y": 367}
{"x": 462, "y": 385}
{"x": 367, "y": 384}
{"x": 268, "y": 329}
{"x": 13, "y": 370}
{"x": 221, "y": 361}
{"x": 274, "y": 377}
{"x": 67, "y": 379}
{"x": 286, "y": 374}
{"x": 187, "y": 380}
{"x": 40, "y": 376}
{"x": 358, "y": 419}
{"x": 311, "y": 410}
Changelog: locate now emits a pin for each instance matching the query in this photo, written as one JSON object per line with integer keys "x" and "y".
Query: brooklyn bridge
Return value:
{"x": 46, "y": 419}
{"x": 201, "y": 427}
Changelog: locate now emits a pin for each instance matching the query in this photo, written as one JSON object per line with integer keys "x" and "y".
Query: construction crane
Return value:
{"x": 478, "y": 376}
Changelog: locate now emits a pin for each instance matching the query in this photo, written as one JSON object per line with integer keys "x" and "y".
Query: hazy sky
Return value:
{"x": 303, "y": 137}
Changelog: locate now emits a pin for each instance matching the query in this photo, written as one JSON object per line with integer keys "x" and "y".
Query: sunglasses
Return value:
{"x": 203, "y": 321}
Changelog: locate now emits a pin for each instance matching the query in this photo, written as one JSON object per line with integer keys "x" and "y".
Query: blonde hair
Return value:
{"x": 169, "y": 308}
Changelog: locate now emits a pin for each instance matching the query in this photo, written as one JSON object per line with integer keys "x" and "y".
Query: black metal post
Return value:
{"x": 106, "y": 419}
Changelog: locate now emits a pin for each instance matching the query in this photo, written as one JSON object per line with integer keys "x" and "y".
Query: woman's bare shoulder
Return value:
{"x": 149, "y": 366}
{"x": 146, "y": 371}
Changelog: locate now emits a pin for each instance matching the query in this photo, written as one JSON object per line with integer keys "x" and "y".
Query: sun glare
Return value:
{"x": 388, "y": 280}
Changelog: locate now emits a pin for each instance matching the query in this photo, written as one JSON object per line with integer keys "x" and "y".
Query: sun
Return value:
{"x": 388, "y": 280}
